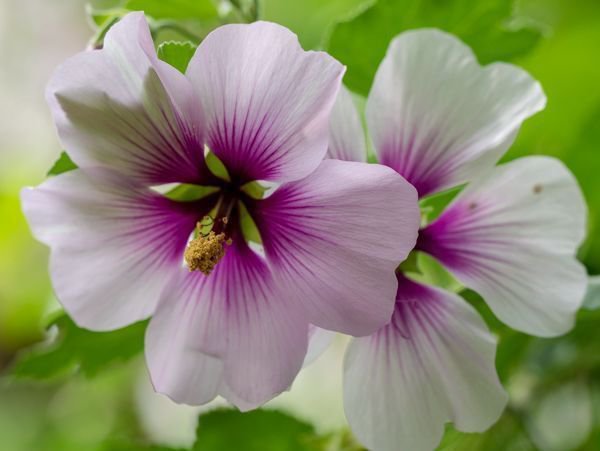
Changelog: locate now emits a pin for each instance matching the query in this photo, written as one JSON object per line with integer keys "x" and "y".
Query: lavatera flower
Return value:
{"x": 441, "y": 120}
{"x": 228, "y": 318}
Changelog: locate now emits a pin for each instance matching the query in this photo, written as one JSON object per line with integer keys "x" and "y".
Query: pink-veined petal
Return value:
{"x": 346, "y": 134}
{"x": 266, "y": 100}
{"x": 335, "y": 238}
{"x": 122, "y": 108}
{"x": 233, "y": 323}
{"x": 439, "y": 118}
{"x": 512, "y": 236}
{"x": 432, "y": 364}
{"x": 113, "y": 246}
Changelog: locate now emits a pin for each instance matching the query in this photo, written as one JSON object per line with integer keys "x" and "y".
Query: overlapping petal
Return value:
{"x": 439, "y": 118}
{"x": 346, "y": 135}
{"x": 113, "y": 246}
{"x": 266, "y": 100}
{"x": 231, "y": 333}
{"x": 122, "y": 108}
{"x": 335, "y": 239}
{"x": 433, "y": 363}
{"x": 512, "y": 236}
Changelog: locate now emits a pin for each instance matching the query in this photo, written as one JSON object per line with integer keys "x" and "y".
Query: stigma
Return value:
{"x": 205, "y": 251}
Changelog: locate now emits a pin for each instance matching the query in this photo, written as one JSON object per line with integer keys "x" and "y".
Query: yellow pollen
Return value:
{"x": 204, "y": 252}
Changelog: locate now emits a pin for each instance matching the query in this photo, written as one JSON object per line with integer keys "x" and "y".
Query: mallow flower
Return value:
{"x": 442, "y": 121}
{"x": 228, "y": 317}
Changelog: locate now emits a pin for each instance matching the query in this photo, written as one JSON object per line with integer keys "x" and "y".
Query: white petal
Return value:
{"x": 113, "y": 246}
{"x": 124, "y": 109}
{"x": 346, "y": 134}
{"x": 512, "y": 236}
{"x": 437, "y": 117}
{"x": 433, "y": 363}
{"x": 266, "y": 100}
{"x": 231, "y": 333}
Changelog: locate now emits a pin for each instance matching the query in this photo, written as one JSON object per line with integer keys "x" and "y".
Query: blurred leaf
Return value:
{"x": 311, "y": 20}
{"x": 259, "y": 430}
{"x": 174, "y": 9}
{"x": 75, "y": 348}
{"x": 583, "y": 159}
{"x": 562, "y": 420}
{"x": 506, "y": 435}
{"x": 63, "y": 164}
{"x": 361, "y": 43}
{"x": 592, "y": 297}
{"x": 123, "y": 445}
{"x": 178, "y": 54}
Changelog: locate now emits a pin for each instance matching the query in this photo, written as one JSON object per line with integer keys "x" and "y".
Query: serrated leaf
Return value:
{"x": 361, "y": 43}
{"x": 174, "y": 9}
{"x": 178, "y": 54}
{"x": 75, "y": 348}
{"x": 259, "y": 430}
{"x": 63, "y": 164}
{"x": 592, "y": 296}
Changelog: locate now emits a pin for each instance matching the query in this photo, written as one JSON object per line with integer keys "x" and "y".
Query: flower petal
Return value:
{"x": 346, "y": 134}
{"x": 237, "y": 316}
{"x": 335, "y": 238}
{"x": 113, "y": 247}
{"x": 267, "y": 101}
{"x": 122, "y": 108}
{"x": 439, "y": 118}
{"x": 512, "y": 236}
{"x": 318, "y": 342}
{"x": 433, "y": 363}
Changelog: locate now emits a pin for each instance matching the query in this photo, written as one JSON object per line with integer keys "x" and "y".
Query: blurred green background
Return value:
{"x": 90, "y": 391}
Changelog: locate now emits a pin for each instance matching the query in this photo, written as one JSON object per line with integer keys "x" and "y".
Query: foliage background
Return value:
{"x": 86, "y": 391}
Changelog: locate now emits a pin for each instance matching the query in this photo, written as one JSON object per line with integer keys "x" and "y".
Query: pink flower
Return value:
{"x": 236, "y": 321}
{"x": 441, "y": 120}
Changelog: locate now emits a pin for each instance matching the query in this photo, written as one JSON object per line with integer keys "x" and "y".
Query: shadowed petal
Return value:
{"x": 234, "y": 323}
{"x": 335, "y": 238}
{"x": 318, "y": 342}
{"x": 122, "y": 108}
{"x": 439, "y": 118}
{"x": 512, "y": 236}
{"x": 346, "y": 134}
{"x": 113, "y": 247}
{"x": 433, "y": 363}
{"x": 267, "y": 101}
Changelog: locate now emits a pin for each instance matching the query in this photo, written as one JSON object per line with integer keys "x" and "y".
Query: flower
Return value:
{"x": 441, "y": 120}
{"x": 236, "y": 321}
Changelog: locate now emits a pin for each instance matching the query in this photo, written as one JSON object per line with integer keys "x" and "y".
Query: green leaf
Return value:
{"x": 63, "y": 164}
{"x": 174, "y": 9}
{"x": 177, "y": 54}
{"x": 259, "y": 430}
{"x": 310, "y": 19}
{"x": 592, "y": 297}
{"x": 76, "y": 348}
{"x": 187, "y": 192}
{"x": 248, "y": 226}
{"x": 361, "y": 43}
{"x": 216, "y": 166}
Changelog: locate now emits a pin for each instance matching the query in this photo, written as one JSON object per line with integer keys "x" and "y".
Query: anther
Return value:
{"x": 205, "y": 251}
